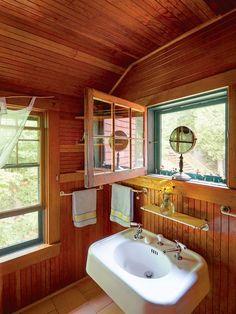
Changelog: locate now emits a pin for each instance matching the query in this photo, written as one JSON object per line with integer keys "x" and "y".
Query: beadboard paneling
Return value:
{"x": 60, "y": 46}
{"x": 217, "y": 245}
{"x": 71, "y": 134}
{"x": 207, "y": 52}
{"x": 32, "y": 283}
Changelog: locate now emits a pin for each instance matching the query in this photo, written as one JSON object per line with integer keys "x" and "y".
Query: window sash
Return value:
{"x": 37, "y": 207}
{"x": 20, "y": 211}
{"x": 205, "y": 100}
{"x": 26, "y": 244}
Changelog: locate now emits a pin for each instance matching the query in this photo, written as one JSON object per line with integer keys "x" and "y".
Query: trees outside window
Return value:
{"x": 21, "y": 201}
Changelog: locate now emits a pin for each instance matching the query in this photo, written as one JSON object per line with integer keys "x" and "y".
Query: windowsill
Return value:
{"x": 198, "y": 182}
{"x": 26, "y": 257}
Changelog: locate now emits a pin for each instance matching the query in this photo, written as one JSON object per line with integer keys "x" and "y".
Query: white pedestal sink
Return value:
{"x": 141, "y": 279}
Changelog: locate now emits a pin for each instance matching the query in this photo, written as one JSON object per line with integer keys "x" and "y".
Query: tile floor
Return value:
{"x": 86, "y": 297}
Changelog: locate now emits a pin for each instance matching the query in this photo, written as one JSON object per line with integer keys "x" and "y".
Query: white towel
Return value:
{"x": 122, "y": 205}
{"x": 84, "y": 205}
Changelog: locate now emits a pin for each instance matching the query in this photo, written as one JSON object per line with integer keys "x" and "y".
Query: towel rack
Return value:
{"x": 144, "y": 190}
{"x": 62, "y": 193}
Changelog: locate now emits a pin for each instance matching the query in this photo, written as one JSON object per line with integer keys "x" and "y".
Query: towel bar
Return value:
{"x": 144, "y": 190}
{"x": 62, "y": 193}
{"x": 226, "y": 210}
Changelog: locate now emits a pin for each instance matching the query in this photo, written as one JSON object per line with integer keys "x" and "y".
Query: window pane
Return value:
{"x": 122, "y": 154}
{"x": 28, "y": 151}
{"x": 122, "y": 120}
{"x": 137, "y": 153}
{"x": 19, "y": 187}
{"x": 18, "y": 229}
{"x": 103, "y": 159}
{"x": 30, "y": 134}
{"x": 208, "y": 155}
{"x": 137, "y": 124}
{"x": 13, "y": 157}
{"x": 33, "y": 122}
{"x": 102, "y": 121}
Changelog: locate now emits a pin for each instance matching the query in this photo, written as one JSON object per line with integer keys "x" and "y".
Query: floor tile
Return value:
{"x": 91, "y": 293}
{"x": 44, "y": 307}
{"x": 84, "y": 309}
{"x": 111, "y": 309}
{"x": 100, "y": 301}
{"x": 68, "y": 300}
{"x": 88, "y": 288}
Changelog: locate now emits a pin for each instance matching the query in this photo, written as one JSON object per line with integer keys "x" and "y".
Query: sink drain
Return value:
{"x": 148, "y": 274}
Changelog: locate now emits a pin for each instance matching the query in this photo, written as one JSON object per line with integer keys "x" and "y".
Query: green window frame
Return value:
{"x": 154, "y": 132}
{"x": 19, "y": 164}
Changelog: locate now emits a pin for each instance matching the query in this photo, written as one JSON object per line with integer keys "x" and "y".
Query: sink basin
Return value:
{"x": 135, "y": 258}
{"x": 141, "y": 279}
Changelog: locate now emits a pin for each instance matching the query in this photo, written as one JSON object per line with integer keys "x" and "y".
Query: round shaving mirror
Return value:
{"x": 182, "y": 141}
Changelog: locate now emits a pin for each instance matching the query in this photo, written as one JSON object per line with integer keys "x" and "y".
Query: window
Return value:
{"x": 115, "y": 139}
{"x": 21, "y": 194}
{"x": 206, "y": 116}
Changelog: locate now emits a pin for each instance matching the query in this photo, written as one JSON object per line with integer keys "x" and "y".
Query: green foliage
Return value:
{"x": 18, "y": 229}
{"x": 20, "y": 188}
{"x": 208, "y": 124}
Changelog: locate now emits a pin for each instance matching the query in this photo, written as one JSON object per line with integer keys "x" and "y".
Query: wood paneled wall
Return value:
{"x": 217, "y": 246}
{"x": 207, "y": 52}
{"x": 32, "y": 283}
{"x": 39, "y": 280}
{"x": 71, "y": 143}
{"x": 204, "y": 53}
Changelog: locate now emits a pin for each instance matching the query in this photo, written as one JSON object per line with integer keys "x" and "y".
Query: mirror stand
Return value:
{"x": 118, "y": 161}
{"x": 181, "y": 176}
{"x": 182, "y": 140}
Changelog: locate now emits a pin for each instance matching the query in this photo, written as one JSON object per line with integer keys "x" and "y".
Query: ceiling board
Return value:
{"x": 62, "y": 46}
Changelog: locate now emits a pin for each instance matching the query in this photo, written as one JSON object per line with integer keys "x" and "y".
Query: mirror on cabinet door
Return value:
{"x": 115, "y": 139}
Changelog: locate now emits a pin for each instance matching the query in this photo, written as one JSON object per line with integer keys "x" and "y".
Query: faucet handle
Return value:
{"x": 180, "y": 245}
{"x": 160, "y": 239}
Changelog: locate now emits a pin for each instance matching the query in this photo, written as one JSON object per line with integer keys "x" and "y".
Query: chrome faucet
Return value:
{"x": 138, "y": 233}
{"x": 178, "y": 249}
{"x": 160, "y": 239}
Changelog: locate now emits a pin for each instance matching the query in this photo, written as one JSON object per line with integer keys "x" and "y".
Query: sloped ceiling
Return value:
{"x": 62, "y": 46}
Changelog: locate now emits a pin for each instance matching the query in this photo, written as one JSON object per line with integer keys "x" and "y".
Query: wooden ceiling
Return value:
{"x": 62, "y": 46}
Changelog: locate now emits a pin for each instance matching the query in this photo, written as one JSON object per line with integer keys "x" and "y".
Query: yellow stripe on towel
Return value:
{"x": 119, "y": 215}
{"x": 86, "y": 216}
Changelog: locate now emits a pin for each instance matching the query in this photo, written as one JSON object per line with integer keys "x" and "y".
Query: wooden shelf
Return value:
{"x": 76, "y": 148}
{"x": 187, "y": 220}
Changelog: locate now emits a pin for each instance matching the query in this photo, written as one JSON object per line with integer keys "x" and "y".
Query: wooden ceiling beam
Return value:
{"x": 26, "y": 37}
